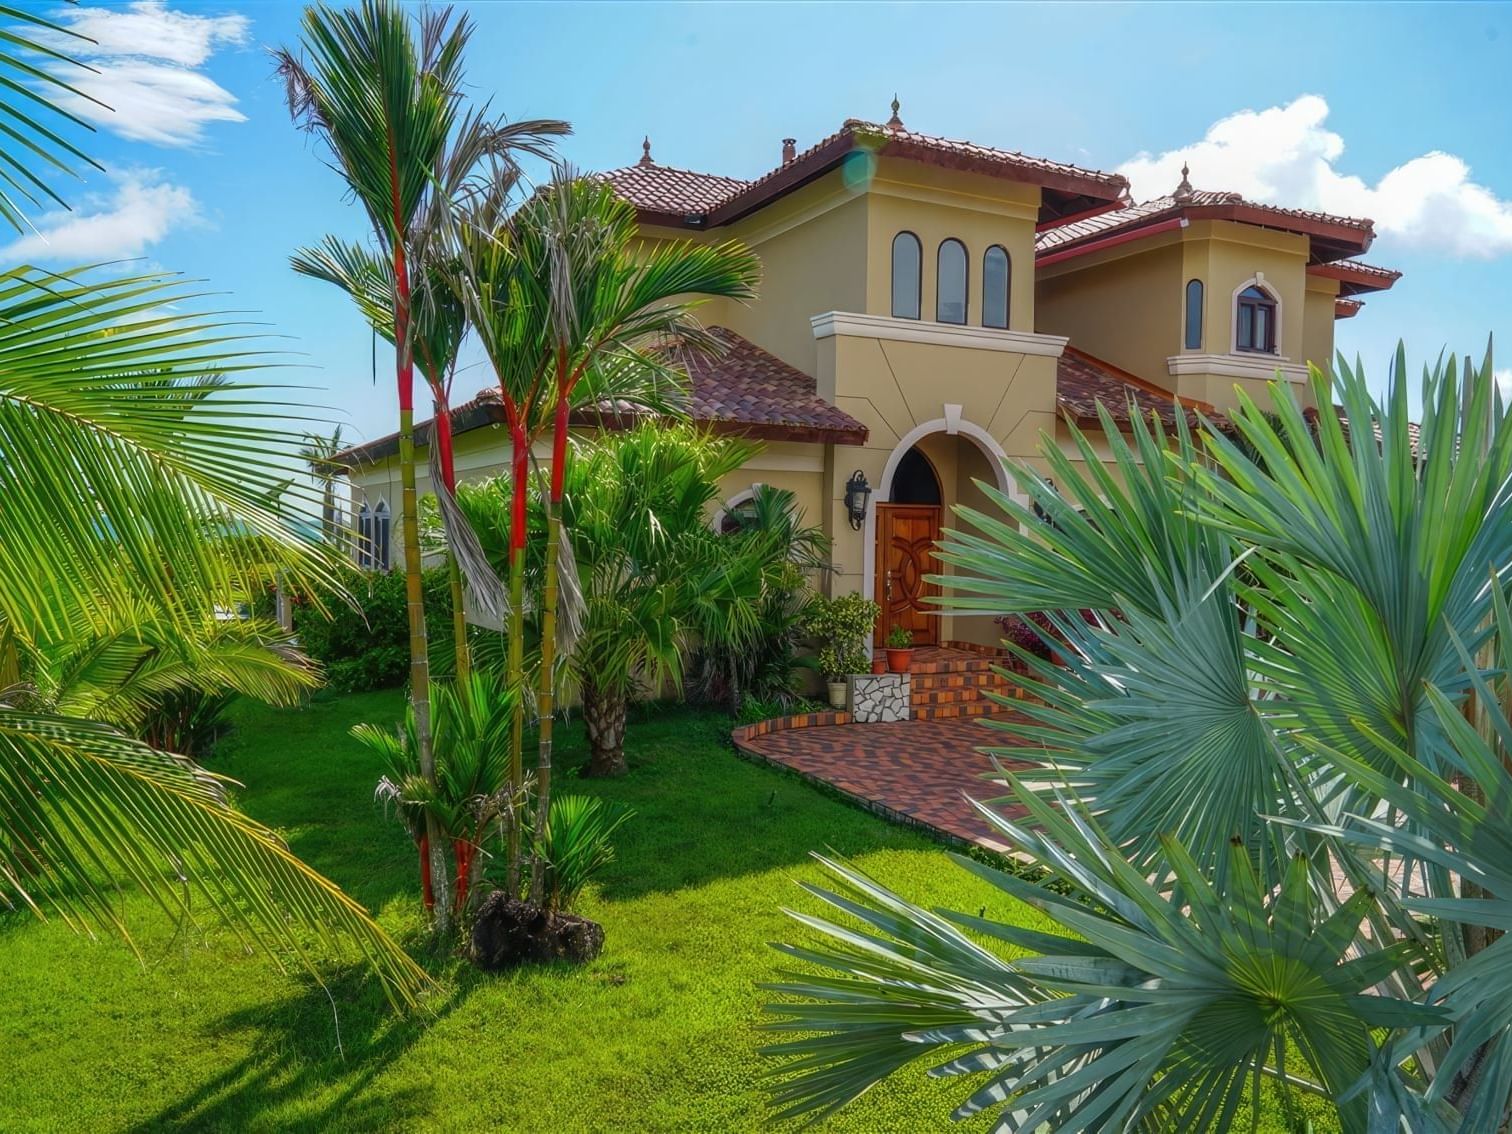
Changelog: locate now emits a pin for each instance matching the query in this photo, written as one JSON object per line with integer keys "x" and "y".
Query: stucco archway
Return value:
{"x": 952, "y": 424}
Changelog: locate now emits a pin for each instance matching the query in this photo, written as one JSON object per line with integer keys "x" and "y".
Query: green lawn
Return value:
{"x": 656, "y": 1035}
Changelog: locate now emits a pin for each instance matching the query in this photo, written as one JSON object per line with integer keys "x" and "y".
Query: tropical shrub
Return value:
{"x": 170, "y": 688}
{"x": 364, "y": 643}
{"x": 839, "y": 628}
{"x": 1274, "y": 805}
{"x": 653, "y": 579}
{"x": 576, "y": 846}
{"x": 471, "y": 802}
{"x": 767, "y": 668}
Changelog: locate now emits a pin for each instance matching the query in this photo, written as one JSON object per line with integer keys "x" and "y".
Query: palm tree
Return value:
{"x": 384, "y": 93}
{"x": 656, "y": 579}
{"x": 136, "y": 501}
{"x": 472, "y": 796}
{"x": 318, "y": 453}
{"x": 1248, "y": 789}
{"x": 604, "y": 311}
{"x": 437, "y": 328}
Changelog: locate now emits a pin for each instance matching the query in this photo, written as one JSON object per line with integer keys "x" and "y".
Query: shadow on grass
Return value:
{"x": 702, "y": 813}
{"x": 298, "y": 1078}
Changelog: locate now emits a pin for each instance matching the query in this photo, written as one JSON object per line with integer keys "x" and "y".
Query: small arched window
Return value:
{"x": 374, "y": 527}
{"x": 1255, "y": 321}
{"x": 907, "y": 275}
{"x": 1193, "y": 340}
{"x": 996, "y": 276}
{"x": 950, "y": 284}
{"x": 738, "y": 514}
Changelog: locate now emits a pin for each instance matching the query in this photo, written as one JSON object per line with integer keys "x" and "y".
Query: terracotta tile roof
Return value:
{"x": 482, "y": 410}
{"x": 1335, "y": 238}
{"x": 1414, "y": 430}
{"x": 747, "y": 390}
{"x": 744, "y": 390}
{"x": 666, "y": 189}
{"x": 1356, "y": 277}
{"x": 703, "y": 200}
{"x": 1082, "y": 382}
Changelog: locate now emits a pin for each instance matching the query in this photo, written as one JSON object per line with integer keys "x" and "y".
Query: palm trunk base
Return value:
{"x": 604, "y": 719}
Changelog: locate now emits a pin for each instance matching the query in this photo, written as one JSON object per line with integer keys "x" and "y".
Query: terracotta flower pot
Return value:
{"x": 879, "y": 664}
{"x": 899, "y": 660}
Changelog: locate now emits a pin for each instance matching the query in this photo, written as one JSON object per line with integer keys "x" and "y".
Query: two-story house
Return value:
{"x": 930, "y": 307}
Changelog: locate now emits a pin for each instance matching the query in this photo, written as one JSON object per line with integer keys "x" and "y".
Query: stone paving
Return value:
{"x": 915, "y": 772}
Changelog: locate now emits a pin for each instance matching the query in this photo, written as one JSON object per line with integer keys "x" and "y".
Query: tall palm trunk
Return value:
{"x": 413, "y": 590}
{"x": 604, "y": 720}
{"x": 549, "y": 596}
{"x": 441, "y": 437}
{"x": 515, "y": 674}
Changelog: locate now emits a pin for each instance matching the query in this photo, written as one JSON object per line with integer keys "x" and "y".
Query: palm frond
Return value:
{"x": 35, "y": 142}
{"x": 82, "y": 806}
{"x": 148, "y": 473}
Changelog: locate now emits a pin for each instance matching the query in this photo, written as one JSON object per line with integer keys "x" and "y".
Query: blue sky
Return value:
{"x": 1399, "y": 112}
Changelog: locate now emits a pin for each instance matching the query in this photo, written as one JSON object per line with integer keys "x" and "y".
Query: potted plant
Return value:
{"x": 838, "y": 627}
{"x": 899, "y": 649}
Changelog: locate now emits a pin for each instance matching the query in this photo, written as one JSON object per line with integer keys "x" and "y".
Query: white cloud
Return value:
{"x": 139, "y": 212}
{"x": 148, "y": 61}
{"x": 1504, "y": 380}
{"x": 1286, "y": 155}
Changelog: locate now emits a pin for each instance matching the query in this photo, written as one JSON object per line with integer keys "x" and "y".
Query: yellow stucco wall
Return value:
{"x": 1122, "y": 305}
{"x": 1126, "y": 304}
{"x": 1318, "y": 322}
{"x": 937, "y": 204}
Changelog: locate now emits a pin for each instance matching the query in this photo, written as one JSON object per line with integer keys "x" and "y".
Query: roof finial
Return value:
{"x": 1183, "y": 192}
{"x": 645, "y": 158}
{"x": 895, "y": 123}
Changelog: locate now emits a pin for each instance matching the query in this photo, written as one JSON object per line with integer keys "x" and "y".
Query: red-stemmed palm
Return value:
{"x": 382, "y": 90}
{"x": 596, "y": 313}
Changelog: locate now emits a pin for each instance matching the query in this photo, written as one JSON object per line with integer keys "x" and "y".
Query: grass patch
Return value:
{"x": 656, "y": 1035}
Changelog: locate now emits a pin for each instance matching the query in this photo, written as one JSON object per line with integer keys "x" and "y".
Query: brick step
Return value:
{"x": 958, "y": 680}
{"x": 954, "y": 665}
{"x": 954, "y": 696}
{"x": 969, "y": 709}
{"x": 963, "y": 696}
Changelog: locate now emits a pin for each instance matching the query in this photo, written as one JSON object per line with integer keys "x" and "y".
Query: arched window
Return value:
{"x": 950, "y": 284}
{"x": 1193, "y": 339}
{"x": 1255, "y": 320}
{"x": 374, "y": 527}
{"x": 738, "y": 513}
{"x": 996, "y": 275}
{"x": 907, "y": 275}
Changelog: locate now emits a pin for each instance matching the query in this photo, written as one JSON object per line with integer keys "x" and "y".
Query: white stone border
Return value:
{"x": 856, "y": 325}
{"x": 1265, "y": 367}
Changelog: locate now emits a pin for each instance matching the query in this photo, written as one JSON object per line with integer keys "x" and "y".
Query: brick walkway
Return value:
{"x": 913, "y": 771}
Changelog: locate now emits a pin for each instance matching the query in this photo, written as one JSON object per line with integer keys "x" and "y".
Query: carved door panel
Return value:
{"x": 906, "y": 535}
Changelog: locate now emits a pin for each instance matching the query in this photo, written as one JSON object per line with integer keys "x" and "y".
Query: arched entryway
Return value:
{"x": 933, "y": 467}
{"x": 908, "y": 526}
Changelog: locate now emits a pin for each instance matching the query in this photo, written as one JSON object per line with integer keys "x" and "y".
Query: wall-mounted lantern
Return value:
{"x": 856, "y": 493}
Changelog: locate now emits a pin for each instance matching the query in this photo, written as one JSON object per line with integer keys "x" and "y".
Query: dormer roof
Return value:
{"x": 1331, "y": 237}
{"x": 686, "y": 199}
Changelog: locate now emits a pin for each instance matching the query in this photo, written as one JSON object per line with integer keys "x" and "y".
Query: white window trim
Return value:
{"x": 1257, "y": 280}
{"x": 717, "y": 520}
{"x": 855, "y": 325}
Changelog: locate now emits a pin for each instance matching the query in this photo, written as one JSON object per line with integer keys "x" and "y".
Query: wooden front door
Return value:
{"x": 906, "y": 535}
